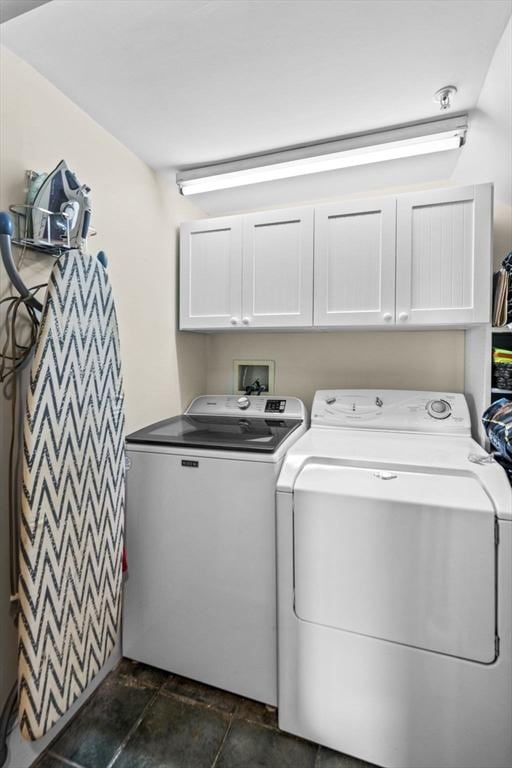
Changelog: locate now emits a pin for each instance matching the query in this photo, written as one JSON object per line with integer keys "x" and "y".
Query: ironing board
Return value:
{"x": 72, "y": 509}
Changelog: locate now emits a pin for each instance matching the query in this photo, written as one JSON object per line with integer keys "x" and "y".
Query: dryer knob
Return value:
{"x": 439, "y": 409}
{"x": 243, "y": 403}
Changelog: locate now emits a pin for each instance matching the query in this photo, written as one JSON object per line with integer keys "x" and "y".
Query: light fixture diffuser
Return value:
{"x": 391, "y": 144}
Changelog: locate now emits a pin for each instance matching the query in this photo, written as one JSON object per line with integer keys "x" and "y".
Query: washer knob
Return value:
{"x": 330, "y": 400}
{"x": 439, "y": 409}
{"x": 243, "y": 403}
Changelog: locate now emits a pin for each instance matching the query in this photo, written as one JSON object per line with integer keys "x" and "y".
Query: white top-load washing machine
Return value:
{"x": 395, "y": 584}
{"x": 200, "y": 594}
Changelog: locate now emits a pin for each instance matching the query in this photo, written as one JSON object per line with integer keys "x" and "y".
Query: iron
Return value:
{"x": 61, "y": 211}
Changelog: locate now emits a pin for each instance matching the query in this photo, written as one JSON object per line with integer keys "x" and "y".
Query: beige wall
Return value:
{"x": 309, "y": 361}
{"x": 136, "y": 215}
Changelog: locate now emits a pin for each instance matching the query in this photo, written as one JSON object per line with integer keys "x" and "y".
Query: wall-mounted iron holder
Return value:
{"x": 7, "y": 238}
{"x": 22, "y": 213}
{"x": 21, "y": 217}
{"x": 17, "y": 234}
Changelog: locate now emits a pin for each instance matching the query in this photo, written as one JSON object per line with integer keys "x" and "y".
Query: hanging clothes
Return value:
{"x": 72, "y": 512}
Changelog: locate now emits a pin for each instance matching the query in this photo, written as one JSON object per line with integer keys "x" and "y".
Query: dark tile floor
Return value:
{"x": 141, "y": 717}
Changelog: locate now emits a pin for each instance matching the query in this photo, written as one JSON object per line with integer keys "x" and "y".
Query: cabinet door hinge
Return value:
{"x": 496, "y": 531}
{"x": 496, "y": 646}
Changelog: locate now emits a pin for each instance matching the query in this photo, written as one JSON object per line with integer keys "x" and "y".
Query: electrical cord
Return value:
{"x": 7, "y": 718}
{"x": 13, "y": 357}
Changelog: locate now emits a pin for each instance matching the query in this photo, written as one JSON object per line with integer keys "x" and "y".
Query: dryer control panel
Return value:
{"x": 392, "y": 409}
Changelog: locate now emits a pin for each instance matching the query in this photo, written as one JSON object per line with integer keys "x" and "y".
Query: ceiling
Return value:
{"x": 188, "y": 82}
{"x": 11, "y": 8}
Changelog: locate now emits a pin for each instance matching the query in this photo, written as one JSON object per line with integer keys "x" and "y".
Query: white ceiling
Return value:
{"x": 184, "y": 82}
{"x": 11, "y": 8}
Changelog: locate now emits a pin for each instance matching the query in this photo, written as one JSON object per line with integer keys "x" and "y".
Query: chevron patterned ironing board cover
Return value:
{"x": 72, "y": 511}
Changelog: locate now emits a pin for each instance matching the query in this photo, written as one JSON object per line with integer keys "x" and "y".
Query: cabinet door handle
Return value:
{"x": 387, "y": 316}
{"x": 246, "y": 320}
{"x": 403, "y": 316}
{"x": 234, "y": 321}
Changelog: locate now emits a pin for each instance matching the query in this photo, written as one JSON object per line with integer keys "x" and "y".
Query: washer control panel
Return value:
{"x": 263, "y": 406}
{"x": 393, "y": 410}
{"x": 275, "y": 406}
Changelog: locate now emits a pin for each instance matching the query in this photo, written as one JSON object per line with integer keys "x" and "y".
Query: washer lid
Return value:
{"x": 235, "y": 433}
{"x": 407, "y": 557}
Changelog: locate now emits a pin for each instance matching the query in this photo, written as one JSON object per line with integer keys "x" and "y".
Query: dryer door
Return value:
{"x": 408, "y": 557}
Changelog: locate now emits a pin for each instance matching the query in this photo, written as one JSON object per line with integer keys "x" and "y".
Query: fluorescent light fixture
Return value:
{"x": 406, "y": 141}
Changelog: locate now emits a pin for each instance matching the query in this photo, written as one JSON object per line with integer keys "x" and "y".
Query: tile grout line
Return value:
{"x": 195, "y": 702}
{"x": 64, "y": 760}
{"x": 134, "y": 727}
{"x": 184, "y": 699}
{"x": 221, "y": 745}
{"x": 235, "y": 714}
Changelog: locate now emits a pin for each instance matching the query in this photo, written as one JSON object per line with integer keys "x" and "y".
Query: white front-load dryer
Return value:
{"x": 394, "y": 535}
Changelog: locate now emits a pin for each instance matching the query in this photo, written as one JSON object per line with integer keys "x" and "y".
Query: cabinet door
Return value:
{"x": 443, "y": 268}
{"x": 211, "y": 273}
{"x": 355, "y": 263}
{"x": 278, "y": 269}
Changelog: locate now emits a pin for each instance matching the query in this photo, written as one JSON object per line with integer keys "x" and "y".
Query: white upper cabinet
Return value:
{"x": 211, "y": 273}
{"x": 277, "y": 272}
{"x": 443, "y": 265}
{"x": 355, "y": 263}
{"x": 414, "y": 260}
